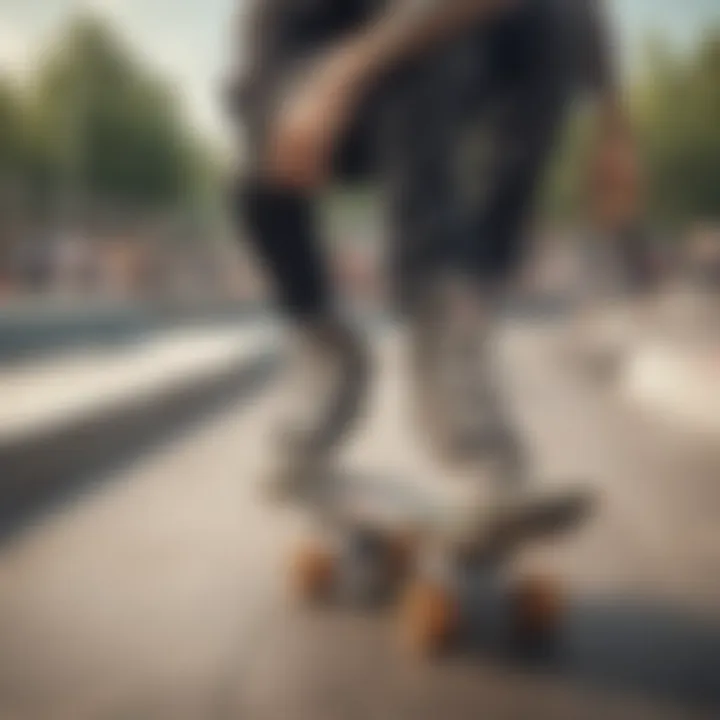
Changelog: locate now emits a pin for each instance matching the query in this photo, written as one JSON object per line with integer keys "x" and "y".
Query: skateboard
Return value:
{"x": 378, "y": 538}
{"x": 365, "y": 531}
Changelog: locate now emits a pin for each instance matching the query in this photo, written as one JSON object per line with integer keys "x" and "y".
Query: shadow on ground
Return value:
{"x": 616, "y": 658}
{"x": 641, "y": 646}
{"x": 633, "y": 646}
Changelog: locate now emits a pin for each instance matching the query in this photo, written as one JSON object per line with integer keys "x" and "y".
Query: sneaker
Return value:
{"x": 326, "y": 383}
{"x": 458, "y": 404}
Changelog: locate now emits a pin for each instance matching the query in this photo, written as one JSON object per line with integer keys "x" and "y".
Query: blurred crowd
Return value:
{"x": 141, "y": 265}
{"x": 154, "y": 263}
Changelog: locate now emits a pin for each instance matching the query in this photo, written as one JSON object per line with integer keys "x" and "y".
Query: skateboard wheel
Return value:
{"x": 538, "y": 608}
{"x": 429, "y": 618}
{"x": 313, "y": 573}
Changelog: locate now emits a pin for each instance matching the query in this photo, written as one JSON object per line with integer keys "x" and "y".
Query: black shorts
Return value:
{"x": 458, "y": 139}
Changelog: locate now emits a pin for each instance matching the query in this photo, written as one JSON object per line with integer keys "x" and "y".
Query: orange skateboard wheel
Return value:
{"x": 429, "y": 618}
{"x": 538, "y": 607}
{"x": 313, "y": 572}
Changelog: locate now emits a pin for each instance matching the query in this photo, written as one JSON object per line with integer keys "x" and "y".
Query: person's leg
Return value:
{"x": 482, "y": 424}
{"x": 327, "y": 369}
{"x": 327, "y": 364}
{"x": 514, "y": 124}
{"x": 466, "y": 185}
{"x": 280, "y": 227}
{"x": 449, "y": 285}
{"x": 427, "y": 226}
{"x": 280, "y": 38}
{"x": 447, "y": 271}
{"x": 449, "y": 311}
{"x": 422, "y": 123}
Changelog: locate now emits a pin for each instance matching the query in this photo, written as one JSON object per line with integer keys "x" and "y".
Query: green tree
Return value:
{"x": 675, "y": 102}
{"x": 10, "y": 128}
{"x": 678, "y": 109}
{"x": 106, "y": 128}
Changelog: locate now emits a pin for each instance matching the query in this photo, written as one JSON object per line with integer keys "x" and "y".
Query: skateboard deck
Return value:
{"x": 373, "y": 535}
{"x": 348, "y": 500}
{"x": 351, "y": 501}
{"x": 365, "y": 529}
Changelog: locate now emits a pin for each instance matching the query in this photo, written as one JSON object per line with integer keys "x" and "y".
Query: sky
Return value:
{"x": 189, "y": 40}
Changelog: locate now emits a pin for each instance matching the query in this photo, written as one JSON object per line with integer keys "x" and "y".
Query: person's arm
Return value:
{"x": 317, "y": 111}
{"x": 407, "y": 28}
{"x": 616, "y": 173}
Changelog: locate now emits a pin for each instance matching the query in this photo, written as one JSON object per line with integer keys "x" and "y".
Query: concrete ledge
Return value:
{"x": 66, "y": 419}
{"x": 34, "y": 328}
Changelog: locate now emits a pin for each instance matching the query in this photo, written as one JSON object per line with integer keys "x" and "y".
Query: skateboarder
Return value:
{"x": 453, "y": 106}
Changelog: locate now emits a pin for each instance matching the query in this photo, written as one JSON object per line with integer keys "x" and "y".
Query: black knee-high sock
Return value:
{"x": 280, "y": 224}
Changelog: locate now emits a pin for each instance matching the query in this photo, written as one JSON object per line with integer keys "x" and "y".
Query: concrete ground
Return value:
{"x": 161, "y": 592}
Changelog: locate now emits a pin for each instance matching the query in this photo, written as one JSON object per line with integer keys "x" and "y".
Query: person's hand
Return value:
{"x": 310, "y": 122}
{"x": 616, "y": 177}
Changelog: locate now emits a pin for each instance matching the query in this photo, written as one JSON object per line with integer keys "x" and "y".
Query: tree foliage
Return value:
{"x": 10, "y": 127}
{"x": 676, "y": 106}
{"x": 678, "y": 113}
{"x": 95, "y": 120}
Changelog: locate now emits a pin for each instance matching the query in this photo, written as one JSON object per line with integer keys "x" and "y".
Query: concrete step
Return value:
{"x": 30, "y": 328}
{"x": 63, "y": 416}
